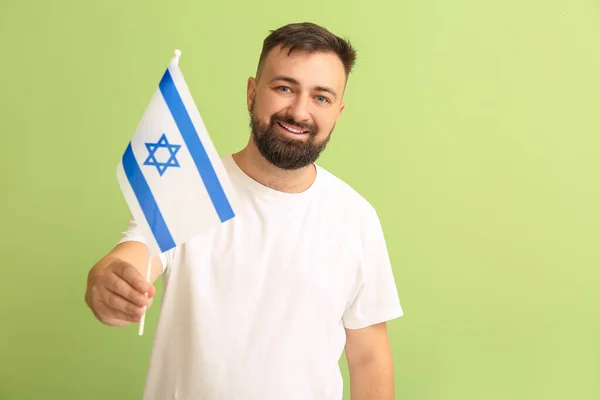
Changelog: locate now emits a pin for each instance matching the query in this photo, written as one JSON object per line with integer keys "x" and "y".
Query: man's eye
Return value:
{"x": 322, "y": 99}
{"x": 284, "y": 89}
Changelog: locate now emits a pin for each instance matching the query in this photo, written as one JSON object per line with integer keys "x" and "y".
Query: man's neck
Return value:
{"x": 258, "y": 168}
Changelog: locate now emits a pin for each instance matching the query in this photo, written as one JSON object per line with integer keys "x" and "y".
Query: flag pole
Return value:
{"x": 148, "y": 272}
{"x": 175, "y": 61}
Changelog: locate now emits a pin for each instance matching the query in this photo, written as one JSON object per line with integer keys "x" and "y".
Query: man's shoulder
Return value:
{"x": 344, "y": 194}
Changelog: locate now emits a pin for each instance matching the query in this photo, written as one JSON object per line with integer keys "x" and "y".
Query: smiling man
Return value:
{"x": 264, "y": 306}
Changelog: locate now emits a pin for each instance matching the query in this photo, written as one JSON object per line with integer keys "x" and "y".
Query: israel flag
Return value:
{"x": 171, "y": 176}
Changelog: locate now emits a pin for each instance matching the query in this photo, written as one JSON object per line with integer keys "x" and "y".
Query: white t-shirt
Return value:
{"x": 256, "y": 308}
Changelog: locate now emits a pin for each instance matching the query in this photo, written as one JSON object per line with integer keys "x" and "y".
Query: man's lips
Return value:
{"x": 292, "y": 128}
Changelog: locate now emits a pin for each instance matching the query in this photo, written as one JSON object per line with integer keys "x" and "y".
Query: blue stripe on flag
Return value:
{"x": 195, "y": 147}
{"x": 144, "y": 195}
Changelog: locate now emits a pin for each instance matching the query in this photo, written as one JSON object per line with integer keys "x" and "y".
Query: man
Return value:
{"x": 262, "y": 307}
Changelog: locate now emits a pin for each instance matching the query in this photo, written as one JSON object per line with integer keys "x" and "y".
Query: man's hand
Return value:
{"x": 116, "y": 293}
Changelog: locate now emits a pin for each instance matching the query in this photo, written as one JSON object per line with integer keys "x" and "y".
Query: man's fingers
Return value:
{"x": 133, "y": 277}
{"x": 118, "y": 303}
{"x": 118, "y": 286}
{"x": 111, "y": 316}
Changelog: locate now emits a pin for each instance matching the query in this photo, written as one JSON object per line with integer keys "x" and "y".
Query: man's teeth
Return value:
{"x": 292, "y": 129}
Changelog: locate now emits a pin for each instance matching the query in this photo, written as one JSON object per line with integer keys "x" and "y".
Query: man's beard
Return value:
{"x": 283, "y": 152}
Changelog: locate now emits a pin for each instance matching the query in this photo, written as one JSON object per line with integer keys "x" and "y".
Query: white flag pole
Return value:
{"x": 175, "y": 60}
{"x": 148, "y": 272}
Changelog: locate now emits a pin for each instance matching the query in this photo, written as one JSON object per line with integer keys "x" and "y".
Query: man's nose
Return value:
{"x": 299, "y": 109}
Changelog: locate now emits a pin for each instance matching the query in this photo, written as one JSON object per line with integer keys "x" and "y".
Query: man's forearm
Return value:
{"x": 372, "y": 380}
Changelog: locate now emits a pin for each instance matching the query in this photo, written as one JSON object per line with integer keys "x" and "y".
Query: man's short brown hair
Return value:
{"x": 312, "y": 38}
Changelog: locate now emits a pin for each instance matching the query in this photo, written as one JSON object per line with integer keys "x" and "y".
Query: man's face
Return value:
{"x": 294, "y": 104}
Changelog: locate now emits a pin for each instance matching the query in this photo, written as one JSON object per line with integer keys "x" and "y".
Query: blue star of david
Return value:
{"x": 162, "y": 143}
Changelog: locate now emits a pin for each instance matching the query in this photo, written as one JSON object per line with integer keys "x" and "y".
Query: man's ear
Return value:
{"x": 342, "y": 108}
{"x": 250, "y": 92}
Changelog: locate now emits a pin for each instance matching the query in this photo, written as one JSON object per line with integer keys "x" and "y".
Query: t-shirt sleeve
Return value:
{"x": 375, "y": 296}
{"x": 133, "y": 233}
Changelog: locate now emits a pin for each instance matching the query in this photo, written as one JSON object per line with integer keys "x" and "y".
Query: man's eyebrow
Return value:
{"x": 285, "y": 79}
{"x": 295, "y": 82}
{"x": 326, "y": 89}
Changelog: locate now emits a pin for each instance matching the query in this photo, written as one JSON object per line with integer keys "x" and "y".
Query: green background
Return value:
{"x": 472, "y": 126}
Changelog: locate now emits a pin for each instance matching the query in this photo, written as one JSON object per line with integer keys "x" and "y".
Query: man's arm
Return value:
{"x": 117, "y": 286}
{"x": 370, "y": 362}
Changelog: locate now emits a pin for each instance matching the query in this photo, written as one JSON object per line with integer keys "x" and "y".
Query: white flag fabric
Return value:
{"x": 171, "y": 175}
